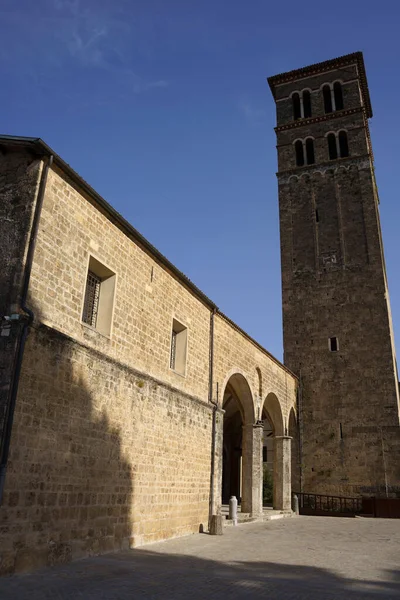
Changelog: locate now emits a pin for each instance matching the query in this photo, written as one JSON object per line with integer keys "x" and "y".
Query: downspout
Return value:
{"x": 214, "y": 416}
{"x": 26, "y": 320}
{"x": 300, "y": 426}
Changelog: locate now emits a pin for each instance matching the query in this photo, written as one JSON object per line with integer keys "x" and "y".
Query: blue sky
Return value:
{"x": 163, "y": 107}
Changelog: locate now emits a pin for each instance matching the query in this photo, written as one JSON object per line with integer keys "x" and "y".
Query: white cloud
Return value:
{"x": 253, "y": 115}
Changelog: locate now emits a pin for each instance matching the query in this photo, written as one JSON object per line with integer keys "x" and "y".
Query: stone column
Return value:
{"x": 218, "y": 452}
{"x": 282, "y": 475}
{"x": 252, "y": 473}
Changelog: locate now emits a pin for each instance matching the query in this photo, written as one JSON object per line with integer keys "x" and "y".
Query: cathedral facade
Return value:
{"x": 132, "y": 408}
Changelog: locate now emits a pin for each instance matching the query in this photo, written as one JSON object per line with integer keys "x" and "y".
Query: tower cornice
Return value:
{"x": 327, "y": 117}
{"x": 355, "y": 58}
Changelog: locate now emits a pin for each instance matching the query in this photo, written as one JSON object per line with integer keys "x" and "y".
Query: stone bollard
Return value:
{"x": 233, "y": 510}
{"x": 216, "y": 525}
{"x": 295, "y": 504}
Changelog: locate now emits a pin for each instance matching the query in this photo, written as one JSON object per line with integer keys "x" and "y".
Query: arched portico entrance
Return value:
{"x": 242, "y": 446}
{"x": 279, "y": 451}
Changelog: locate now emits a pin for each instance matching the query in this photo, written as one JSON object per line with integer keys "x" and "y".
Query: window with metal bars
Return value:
{"x": 177, "y": 361}
{"x": 173, "y": 350}
{"x": 92, "y": 295}
{"x": 99, "y": 295}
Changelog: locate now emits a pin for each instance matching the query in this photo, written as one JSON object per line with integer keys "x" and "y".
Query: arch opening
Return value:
{"x": 310, "y": 151}
{"x": 239, "y": 411}
{"x": 273, "y": 426}
{"x": 338, "y": 95}
{"x": 332, "y": 148}
{"x": 307, "y": 104}
{"x": 326, "y": 91}
{"x": 296, "y": 106}
{"x": 298, "y": 146}
{"x": 343, "y": 144}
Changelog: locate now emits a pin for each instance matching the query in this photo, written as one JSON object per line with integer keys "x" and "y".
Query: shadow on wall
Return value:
{"x": 69, "y": 489}
{"x": 144, "y": 574}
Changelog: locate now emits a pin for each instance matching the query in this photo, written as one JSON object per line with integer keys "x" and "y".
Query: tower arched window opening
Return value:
{"x": 332, "y": 148}
{"x": 326, "y": 90}
{"x": 338, "y": 95}
{"x": 310, "y": 151}
{"x": 343, "y": 144}
{"x": 296, "y": 106}
{"x": 306, "y": 104}
{"x": 299, "y": 153}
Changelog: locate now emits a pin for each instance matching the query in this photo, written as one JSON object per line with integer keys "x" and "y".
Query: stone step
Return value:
{"x": 277, "y": 514}
{"x": 268, "y": 515}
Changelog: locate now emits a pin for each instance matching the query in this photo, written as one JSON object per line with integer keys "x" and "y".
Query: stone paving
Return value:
{"x": 313, "y": 558}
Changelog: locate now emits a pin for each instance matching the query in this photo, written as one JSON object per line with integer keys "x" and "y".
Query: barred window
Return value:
{"x": 92, "y": 295}
{"x": 177, "y": 361}
{"x": 173, "y": 350}
{"x": 99, "y": 297}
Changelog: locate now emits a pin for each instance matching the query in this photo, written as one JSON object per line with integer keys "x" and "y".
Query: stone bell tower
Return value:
{"x": 336, "y": 316}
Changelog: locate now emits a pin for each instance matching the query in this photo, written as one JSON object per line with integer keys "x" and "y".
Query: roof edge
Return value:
{"x": 43, "y": 149}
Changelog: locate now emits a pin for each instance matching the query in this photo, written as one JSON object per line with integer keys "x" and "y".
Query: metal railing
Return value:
{"x": 319, "y": 504}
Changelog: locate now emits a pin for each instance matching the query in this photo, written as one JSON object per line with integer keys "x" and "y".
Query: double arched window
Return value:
{"x": 304, "y": 150}
{"x": 301, "y": 105}
{"x": 338, "y": 146}
{"x": 333, "y": 97}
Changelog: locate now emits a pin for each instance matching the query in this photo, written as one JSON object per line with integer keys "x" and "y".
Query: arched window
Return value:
{"x": 310, "y": 151}
{"x": 338, "y": 95}
{"x": 306, "y": 104}
{"x": 343, "y": 144}
{"x": 326, "y": 90}
{"x": 296, "y": 106}
{"x": 332, "y": 146}
{"x": 299, "y": 153}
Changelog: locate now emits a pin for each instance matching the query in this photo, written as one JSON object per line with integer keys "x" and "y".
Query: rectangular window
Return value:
{"x": 178, "y": 347}
{"x": 91, "y": 304}
{"x": 99, "y": 297}
{"x": 333, "y": 344}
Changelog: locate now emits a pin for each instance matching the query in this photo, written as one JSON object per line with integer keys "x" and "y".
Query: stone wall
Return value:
{"x": 112, "y": 448}
{"x": 103, "y": 457}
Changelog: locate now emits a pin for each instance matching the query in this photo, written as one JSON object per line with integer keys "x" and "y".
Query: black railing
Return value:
{"x": 318, "y": 504}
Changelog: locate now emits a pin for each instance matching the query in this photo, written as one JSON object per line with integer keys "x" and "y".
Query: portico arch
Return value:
{"x": 279, "y": 446}
{"x": 241, "y": 452}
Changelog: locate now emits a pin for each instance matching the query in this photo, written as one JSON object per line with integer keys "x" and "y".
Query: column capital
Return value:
{"x": 283, "y": 437}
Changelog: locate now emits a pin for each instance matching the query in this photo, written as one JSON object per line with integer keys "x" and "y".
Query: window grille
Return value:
{"x": 91, "y": 304}
{"x": 173, "y": 349}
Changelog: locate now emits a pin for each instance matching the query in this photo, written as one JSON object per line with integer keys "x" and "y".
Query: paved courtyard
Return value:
{"x": 301, "y": 558}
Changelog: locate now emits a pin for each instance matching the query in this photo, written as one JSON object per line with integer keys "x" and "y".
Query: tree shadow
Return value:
{"x": 69, "y": 485}
{"x": 149, "y": 574}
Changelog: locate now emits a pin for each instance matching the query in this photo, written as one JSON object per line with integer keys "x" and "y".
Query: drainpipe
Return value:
{"x": 214, "y": 416}
{"x": 300, "y": 428}
{"x": 26, "y": 320}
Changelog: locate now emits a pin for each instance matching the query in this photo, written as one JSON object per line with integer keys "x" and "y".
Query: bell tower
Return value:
{"x": 336, "y": 316}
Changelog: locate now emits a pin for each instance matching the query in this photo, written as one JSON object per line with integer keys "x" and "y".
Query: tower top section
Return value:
{"x": 354, "y": 60}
